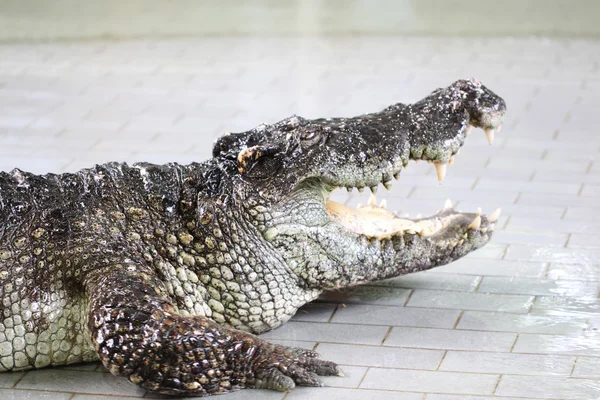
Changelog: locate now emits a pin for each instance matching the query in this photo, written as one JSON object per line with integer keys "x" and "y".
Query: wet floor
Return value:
{"x": 517, "y": 319}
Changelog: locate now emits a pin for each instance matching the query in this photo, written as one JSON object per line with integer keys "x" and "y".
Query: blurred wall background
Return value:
{"x": 69, "y": 19}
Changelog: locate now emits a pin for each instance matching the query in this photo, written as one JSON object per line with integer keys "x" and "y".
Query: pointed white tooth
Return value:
{"x": 453, "y": 242}
{"x": 490, "y": 135}
{"x": 383, "y": 203}
{"x": 407, "y": 215}
{"x": 493, "y": 217}
{"x": 461, "y": 241}
{"x": 373, "y": 189}
{"x": 397, "y": 176}
{"x": 499, "y": 128}
{"x": 468, "y": 130}
{"x": 418, "y": 216}
{"x": 361, "y": 189}
{"x": 388, "y": 185}
{"x": 448, "y": 205}
{"x": 476, "y": 223}
{"x": 451, "y": 161}
{"x": 422, "y": 233}
{"x": 417, "y": 161}
{"x": 478, "y": 210}
{"x": 359, "y": 206}
{"x": 372, "y": 200}
{"x": 441, "y": 170}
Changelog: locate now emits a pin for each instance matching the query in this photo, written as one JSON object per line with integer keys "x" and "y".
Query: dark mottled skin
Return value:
{"x": 164, "y": 272}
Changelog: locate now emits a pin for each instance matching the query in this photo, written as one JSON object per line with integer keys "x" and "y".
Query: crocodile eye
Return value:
{"x": 311, "y": 135}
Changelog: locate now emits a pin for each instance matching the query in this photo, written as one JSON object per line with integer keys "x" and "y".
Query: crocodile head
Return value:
{"x": 285, "y": 174}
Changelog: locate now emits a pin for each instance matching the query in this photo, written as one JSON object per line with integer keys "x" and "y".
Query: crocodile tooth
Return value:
{"x": 461, "y": 241}
{"x": 373, "y": 189}
{"x": 468, "y": 130}
{"x": 490, "y": 135}
{"x": 372, "y": 200}
{"x": 359, "y": 206}
{"x": 397, "y": 175}
{"x": 493, "y": 217}
{"x": 441, "y": 170}
{"x": 361, "y": 189}
{"x": 499, "y": 128}
{"x": 349, "y": 189}
{"x": 411, "y": 231}
{"x": 451, "y": 160}
{"x": 476, "y": 223}
{"x": 423, "y": 232}
{"x": 383, "y": 203}
{"x": 386, "y": 176}
{"x": 448, "y": 205}
{"x": 453, "y": 242}
{"x": 418, "y": 216}
{"x": 388, "y": 185}
{"x": 478, "y": 210}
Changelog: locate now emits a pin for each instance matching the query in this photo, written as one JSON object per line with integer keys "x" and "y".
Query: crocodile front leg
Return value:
{"x": 138, "y": 333}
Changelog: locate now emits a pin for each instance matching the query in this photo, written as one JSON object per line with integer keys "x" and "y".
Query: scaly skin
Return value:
{"x": 165, "y": 272}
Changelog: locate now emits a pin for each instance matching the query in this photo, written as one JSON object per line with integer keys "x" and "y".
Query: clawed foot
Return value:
{"x": 282, "y": 368}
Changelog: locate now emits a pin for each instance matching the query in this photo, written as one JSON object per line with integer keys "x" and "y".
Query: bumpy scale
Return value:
{"x": 165, "y": 273}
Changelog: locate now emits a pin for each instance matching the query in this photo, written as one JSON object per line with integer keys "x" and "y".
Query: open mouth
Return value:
{"x": 376, "y": 221}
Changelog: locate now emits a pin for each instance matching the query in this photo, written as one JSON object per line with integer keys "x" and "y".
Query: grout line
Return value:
{"x": 512, "y": 348}
{"x": 363, "y": 377}
{"x": 14, "y": 386}
{"x": 546, "y": 271}
{"x": 564, "y": 213}
{"x": 458, "y": 319}
{"x": 497, "y": 384}
{"x": 518, "y": 196}
{"x": 574, "y": 365}
{"x": 479, "y": 281}
{"x": 507, "y": 222}
{"x": 387, "y": 333}
{"x": 589, "y": 167}
{"x": 567, "y": 242}
{"x": 505, "y": 253}
{"x": 333, "y": 313}
{"x": 534, "y": 298}
{"x": 412, "y": 290}
{"x": 441, "y": 360}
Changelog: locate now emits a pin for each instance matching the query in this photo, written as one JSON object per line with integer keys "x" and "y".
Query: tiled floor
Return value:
{"x": 517, "y": 319}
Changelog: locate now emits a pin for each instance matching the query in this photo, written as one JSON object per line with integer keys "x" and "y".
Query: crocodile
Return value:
{"x": 167, "y": 273}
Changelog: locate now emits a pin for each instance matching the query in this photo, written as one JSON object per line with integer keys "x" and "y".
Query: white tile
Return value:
{"x": 429, "y": 381}
{"x": 387, "y": 357}
{"x": 78, "y": 382}
{"x": 584, "y": 344}
{"x": 450, "y": 339}
{"x": 548, "y": 388}
{"x": 500, "y": 322}
{"x": 470, "y": 301}
{"x": 504, "y": 363}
